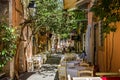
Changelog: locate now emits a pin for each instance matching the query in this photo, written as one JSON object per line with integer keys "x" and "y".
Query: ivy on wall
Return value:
{"x": 108, "y": 11}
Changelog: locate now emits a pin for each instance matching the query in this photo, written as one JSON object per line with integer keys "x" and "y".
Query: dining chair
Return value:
{"x": 90, "y": 68}
{"x": 62, "y": 72}
{"x": 84, "y": 64}
{"x": 85, "y": 73}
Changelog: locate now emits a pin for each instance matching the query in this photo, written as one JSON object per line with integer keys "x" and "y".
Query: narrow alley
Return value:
{"x": 59, "y": 39}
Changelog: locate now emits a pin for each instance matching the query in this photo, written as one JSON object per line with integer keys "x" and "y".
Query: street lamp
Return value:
{"x": 31, "y": 13}
{"x": 31, "y": 8}
{"x": 31, "y": 4}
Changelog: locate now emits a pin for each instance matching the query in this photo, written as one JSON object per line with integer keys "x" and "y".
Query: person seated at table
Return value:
{"x": 83, "y": 55}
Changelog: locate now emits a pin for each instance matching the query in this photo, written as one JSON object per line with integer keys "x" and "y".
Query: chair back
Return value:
{"x": 84, "y": 64}
{"x": 62, "y": 72}
{"x": 85, "y": 73}
{"x": 90, "y": 68}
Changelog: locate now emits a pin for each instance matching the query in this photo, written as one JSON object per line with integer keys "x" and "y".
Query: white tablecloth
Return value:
{"x": 87, "y": 78}
{"x": 73, "y": 68}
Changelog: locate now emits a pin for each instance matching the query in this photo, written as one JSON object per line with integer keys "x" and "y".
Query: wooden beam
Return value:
{"x": 107, "y": 74}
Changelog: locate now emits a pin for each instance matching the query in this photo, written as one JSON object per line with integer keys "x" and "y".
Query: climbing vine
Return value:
{"x": 50, "y": 14}
{"x": 108, "y": 11}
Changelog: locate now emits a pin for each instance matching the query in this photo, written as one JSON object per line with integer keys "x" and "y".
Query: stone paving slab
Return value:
{"x": 47, "y": 72}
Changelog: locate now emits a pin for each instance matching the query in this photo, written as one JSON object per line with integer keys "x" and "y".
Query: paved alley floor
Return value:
{"x": 47, "y": 72}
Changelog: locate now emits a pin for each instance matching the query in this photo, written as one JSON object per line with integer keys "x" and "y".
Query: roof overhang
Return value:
{"x": 82, "y": 2}
{"x": 68, "y": 4}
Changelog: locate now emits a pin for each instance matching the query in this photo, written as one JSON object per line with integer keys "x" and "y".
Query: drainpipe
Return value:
{"x": 10, "y": 24}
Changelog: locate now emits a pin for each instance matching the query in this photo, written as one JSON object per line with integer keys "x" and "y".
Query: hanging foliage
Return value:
{"x": 50, "y": 14}
{"x": 7, "y": 43}
{"x": 108, "y": 11}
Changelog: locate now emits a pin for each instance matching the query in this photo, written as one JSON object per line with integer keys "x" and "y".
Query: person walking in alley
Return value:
{"x": 83, "y": 55}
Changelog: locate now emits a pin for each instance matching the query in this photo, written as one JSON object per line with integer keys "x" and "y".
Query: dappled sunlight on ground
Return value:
{"x": 47, "y": 72}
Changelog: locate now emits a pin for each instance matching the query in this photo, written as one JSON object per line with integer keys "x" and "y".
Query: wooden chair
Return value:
{"x": 84, "y": 64}
{"x": 90, "y": 68}
{"x": 85, "y": 73}
{"x": 62, "y": 72}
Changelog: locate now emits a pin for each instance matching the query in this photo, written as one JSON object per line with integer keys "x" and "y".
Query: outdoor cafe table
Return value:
{"x": 73, "y": 68}
{"x": 87, "y": 78}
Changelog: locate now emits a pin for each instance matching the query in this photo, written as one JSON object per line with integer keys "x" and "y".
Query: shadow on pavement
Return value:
{"x": 56, "y": 76}
{"x": 26, "y": 75}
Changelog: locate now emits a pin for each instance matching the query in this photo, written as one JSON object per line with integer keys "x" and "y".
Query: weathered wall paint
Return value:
{"x": 18, "y": 14}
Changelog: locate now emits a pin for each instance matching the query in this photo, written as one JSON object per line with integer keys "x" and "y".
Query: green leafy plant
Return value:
{"x": 50, "y": 14}
{"x": 7, "y": 43}
{"x": 108, "y": 11}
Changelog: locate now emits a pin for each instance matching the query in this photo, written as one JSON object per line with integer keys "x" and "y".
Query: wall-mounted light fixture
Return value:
{"x": 31, "y": 7}
{"x": 31, "y": 4}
